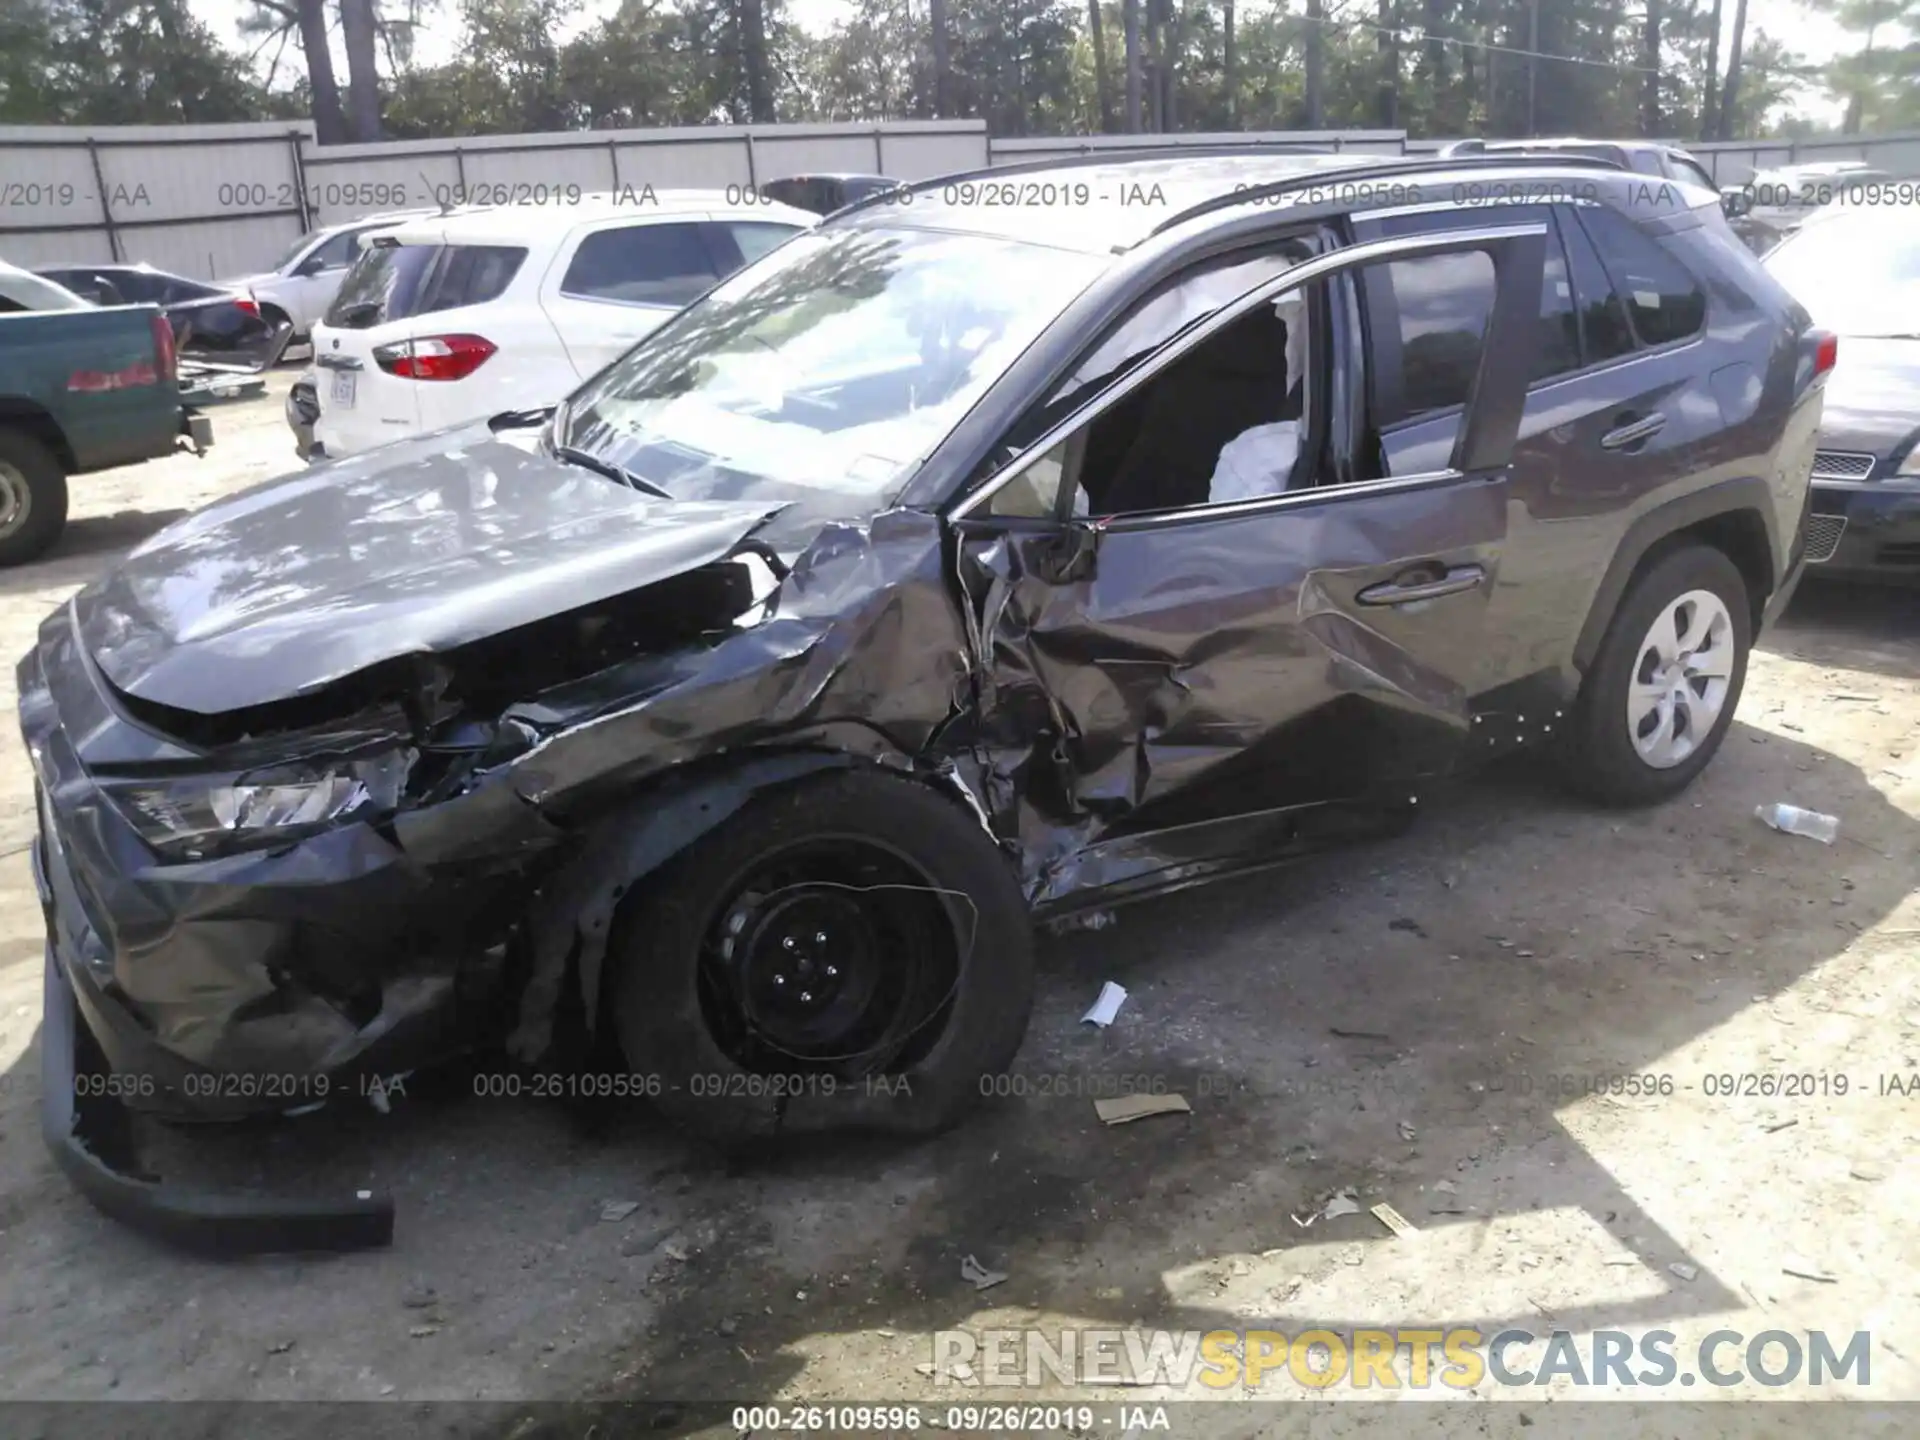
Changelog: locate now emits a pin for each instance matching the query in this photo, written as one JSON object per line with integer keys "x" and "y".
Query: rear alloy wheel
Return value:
{"x": 33, "y": 498}
{"x": 1662, "y": 690}
{"x": 849, "y": 953}
{"x": 1680, "y": 679}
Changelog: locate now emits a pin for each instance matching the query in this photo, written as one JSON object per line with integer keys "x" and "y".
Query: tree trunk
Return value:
{"x": 1232, "y": 70}
{"x": 329, "y": 121}
{"x": 363, "y": 70}
{"x": 1316, "y": 59}
{"x": 1650, "y": 91}
{"x": 753, "y": 53}
{"x": 1730, "y": 98}
{"x": 1710, "y": 101}
{"x": 937, "y": 23}
{"x": 1152, "y": 66}
{"x": 1130, "y": 19}
{"x": 1102, "y": 81}
{"x": 1172, "y": 39}
{"x": 1389, "y": 46}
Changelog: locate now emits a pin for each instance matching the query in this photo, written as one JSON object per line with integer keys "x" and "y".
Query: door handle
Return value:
{"x": 1393, "y": 592}
{"x": 1632, "y": 433}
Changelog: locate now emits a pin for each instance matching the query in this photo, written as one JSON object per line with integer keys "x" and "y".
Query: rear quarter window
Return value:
{"x": 396, "y": 282}
{"x": 1662, "y": 299}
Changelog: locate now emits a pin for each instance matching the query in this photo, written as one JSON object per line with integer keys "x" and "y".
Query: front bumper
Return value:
{"x": 1865, "y": 530}
{"x": 257, "y": 984}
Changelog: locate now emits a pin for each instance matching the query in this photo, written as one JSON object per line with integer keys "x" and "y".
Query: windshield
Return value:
{"x": 827, "y": 371}
{"x": 1857, "y": 272}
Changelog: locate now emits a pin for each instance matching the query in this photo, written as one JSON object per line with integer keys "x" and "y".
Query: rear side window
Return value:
{"x": 1428, "y": 317}
{"x": 1468, "y": 280}
{"x": 1603, "y": 319}
{"x": 1663, "y": 300}
{"x": 395, "y": 282}
{"x": 641, "y": 265}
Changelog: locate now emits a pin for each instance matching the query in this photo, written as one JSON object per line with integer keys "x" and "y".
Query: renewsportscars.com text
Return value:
{"x": 1454, "y": 1358}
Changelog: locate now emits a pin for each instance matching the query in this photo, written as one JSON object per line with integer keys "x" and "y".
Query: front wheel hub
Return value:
{"x": 808, "y": 965}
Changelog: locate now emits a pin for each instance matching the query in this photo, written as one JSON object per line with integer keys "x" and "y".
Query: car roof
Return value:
{"x": 1101, "y": 205}
{"x": 481, "y": 223}
{"x": 371, "y": 222}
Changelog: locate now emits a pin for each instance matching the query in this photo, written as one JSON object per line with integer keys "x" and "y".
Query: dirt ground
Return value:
{"x": 1510, "y": 939}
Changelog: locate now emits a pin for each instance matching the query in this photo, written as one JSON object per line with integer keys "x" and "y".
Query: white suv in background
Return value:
{"x": 301, "y": 284}
{"x": 459, "y": 317}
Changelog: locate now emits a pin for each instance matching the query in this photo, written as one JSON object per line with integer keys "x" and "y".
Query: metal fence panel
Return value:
{"x": 916, "y": 152}
{"x": 217, "y": 200}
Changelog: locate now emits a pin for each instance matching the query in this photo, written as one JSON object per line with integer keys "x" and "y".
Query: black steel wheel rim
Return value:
{"x": 833, "y": 955}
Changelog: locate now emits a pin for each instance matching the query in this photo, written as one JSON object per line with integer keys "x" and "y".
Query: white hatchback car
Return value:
{"x": 452, "y": 319}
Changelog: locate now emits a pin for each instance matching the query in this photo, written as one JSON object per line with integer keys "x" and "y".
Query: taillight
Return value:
{"x": 1826, "y": 352}
{"x": 247, "y": 305}
{"x": 438, "y": 357}
{"x": 164, "y": 360}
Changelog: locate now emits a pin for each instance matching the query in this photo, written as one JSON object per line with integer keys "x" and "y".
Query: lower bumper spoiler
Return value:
{"x": 91, "y": 1137}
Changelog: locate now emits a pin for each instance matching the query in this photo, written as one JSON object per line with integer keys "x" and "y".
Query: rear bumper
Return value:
{"x": 1865, "y": 530}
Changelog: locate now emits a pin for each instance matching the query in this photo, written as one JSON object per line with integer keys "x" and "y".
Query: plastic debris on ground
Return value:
{"x": 618, "y": 1209}
{"x": 1087, "y": 920}
{"x": 1103, "y": 1009}
{"x": 1332, "y": 1207}
{"x": 1121, "y": 1109}
{"x": 1792, "y": 820}
{"x": 978, "y": 1276}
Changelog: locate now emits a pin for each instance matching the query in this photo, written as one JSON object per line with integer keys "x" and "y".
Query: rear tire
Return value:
{"x": 33, "y": 498}
{"x": 1665, "y": 682}
{"x": 796, "y": 971}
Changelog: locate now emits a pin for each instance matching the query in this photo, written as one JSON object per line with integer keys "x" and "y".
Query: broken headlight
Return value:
{"x": 193, "y": 818}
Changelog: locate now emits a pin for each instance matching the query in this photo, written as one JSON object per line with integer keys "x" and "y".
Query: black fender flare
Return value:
{"x": 568, "y": 921}
{"x": 1747, "y": 494}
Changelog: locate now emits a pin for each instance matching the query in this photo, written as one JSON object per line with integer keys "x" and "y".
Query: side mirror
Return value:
{"x": 312, "y": 265}
{"x": 1735, "y": 203}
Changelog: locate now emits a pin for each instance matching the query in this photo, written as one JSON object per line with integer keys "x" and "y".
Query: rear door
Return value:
{"x": 616, "y": 281}
{"x": 1618, "y": 404}
{"x": 1212, "y": 655}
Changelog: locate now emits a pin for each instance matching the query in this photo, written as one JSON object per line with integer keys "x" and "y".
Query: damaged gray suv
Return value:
{"x": 1014, "y": 543}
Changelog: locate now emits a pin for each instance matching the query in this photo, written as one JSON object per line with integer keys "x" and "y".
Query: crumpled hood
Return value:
{"x": 416, "y": 547}
{"x": 1873, "y": 395}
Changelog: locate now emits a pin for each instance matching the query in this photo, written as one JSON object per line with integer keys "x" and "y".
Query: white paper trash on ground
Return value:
{"x": 1112, "y": 997}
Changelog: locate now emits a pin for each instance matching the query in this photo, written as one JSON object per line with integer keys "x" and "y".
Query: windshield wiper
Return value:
{"x": 519, "y": 419}
{"x": 573, "y": 455}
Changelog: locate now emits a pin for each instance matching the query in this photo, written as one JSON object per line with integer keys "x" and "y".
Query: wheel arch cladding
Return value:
{"x": 569, "y": 921}
{"x": 1734, "y": 517}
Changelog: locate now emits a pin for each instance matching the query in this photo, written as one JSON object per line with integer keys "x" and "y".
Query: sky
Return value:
{"x": 1814, "y": 37}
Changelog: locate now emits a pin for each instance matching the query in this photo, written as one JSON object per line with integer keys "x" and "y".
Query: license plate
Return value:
{"x": 343, "y": 388}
